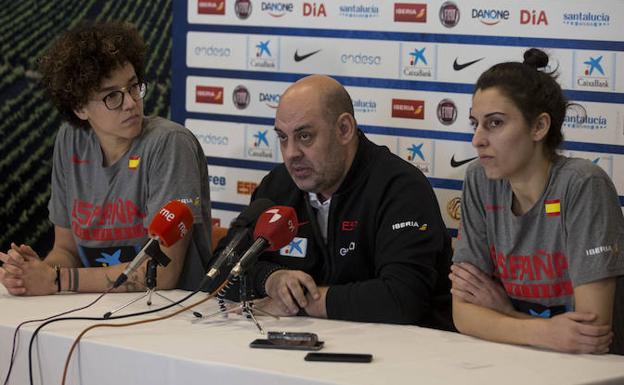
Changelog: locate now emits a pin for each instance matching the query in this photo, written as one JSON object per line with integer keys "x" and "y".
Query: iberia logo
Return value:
{"x": 552, "y": 207}
{"x": 133, "y": 162}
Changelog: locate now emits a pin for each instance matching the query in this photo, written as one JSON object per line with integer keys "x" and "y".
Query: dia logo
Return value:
{"x": 533, "y": 17}
{"x": 314, "y": 9}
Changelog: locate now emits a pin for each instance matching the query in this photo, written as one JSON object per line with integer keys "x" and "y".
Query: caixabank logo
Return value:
{"x": 211, "y": 7}
{"x": 411, "y": 13}
{"x": 260, "y": 144}
{"x": 264, "y": 57}
{"x": 420, "y": 153}
{"x": 593, "y": 72}
{"x": 419, "y": 65}
{"x": 586, "y": 19}
{"x": 408, "y": 108}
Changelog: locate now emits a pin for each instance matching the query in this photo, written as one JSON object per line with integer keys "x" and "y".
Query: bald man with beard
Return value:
{"x": 373, "y": 246}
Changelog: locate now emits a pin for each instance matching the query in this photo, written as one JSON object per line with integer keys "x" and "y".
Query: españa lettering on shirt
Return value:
{"x": 117, "y": 220}
{"x": 541, "y": 275}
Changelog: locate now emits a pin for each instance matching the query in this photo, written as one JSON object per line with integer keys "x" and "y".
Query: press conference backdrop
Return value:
{"x": 410, "y": 67}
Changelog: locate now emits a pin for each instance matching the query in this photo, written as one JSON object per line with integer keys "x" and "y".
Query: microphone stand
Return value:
{"x": 245, "y": 306}
{"x": 150, "y": 285}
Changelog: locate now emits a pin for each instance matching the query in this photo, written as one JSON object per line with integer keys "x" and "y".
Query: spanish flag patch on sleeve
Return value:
{"x": 133, "y": 162}
{"x": 552, "y": 207}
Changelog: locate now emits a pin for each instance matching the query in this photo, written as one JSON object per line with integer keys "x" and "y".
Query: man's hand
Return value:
{"x": 471, "y": 285}
{"x": 571, "y": 333}
{"x": 287, "y": 288}
{"x": 23, "y": 273}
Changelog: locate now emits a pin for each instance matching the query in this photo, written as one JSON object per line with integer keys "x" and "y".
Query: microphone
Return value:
{"x": 244, "y": 221}
{"x": 275, "y": 228}
{"x": 172, "y": 222}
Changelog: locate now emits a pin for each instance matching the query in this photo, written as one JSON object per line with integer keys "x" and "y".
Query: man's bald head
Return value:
{"x": 318, "y": 133}
{"x": 330, "y": 97}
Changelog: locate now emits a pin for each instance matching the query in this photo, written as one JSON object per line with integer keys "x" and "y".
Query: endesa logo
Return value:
{"x": 314, "y": 10}
{"x": 276, "y": 9}
{"x": 586, "y": 19}
{"x": 245, "y": 187}
{"x": 490, "y": 16}
{"x": 408, "y": 12}
{"x": 360, "y": 59}
{"x": 214, "y": 140}
{"x": 208, "y": 94}
{"x": 408, "y": 108}
{"x": 212, "y": 51}
{"x": 211, "y": 7}
{"x": 533, "y": 17}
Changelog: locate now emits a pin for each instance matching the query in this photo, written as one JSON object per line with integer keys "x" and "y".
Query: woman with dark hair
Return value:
{"x": 113, "y": 169}
{"x": 542, "y": 235}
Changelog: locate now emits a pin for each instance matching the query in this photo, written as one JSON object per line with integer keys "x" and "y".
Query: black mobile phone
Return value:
{"x": 339, "y": 357}
{"x": 286, "y": 344}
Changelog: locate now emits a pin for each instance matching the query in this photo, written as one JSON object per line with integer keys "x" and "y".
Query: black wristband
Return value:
{"x": 57, "y": 280}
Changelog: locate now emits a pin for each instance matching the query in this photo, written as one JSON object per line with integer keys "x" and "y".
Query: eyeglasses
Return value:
{"x": 115, "y": 99}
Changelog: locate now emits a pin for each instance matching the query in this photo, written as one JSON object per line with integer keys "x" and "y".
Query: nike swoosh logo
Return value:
{"x": 303, "y": 57}
{"x": 459, "y": 67}
{"x": 75, "y": 160}
{"x": 455, "y": 163}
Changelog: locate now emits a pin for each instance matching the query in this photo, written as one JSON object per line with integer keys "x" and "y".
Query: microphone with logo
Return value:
{"x": 172, "y": 222}
{"x": 242, "y": 226}
{"x": 275, "y": 228}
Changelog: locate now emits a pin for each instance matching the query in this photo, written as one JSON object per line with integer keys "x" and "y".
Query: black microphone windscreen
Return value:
{"x": 248, "y": 216}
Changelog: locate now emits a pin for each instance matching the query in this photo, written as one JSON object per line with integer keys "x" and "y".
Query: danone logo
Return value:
{"x": 586, "y": 19}
{"x": 271, "y": 100}
{"x": 211, "y": 7}
{"x": 408, "y": 108}
{"x": 277, "y": 9}
{"x": 490, "y": 16}
{"x": 209, "y": 94}
{"x": 408, "y": 12}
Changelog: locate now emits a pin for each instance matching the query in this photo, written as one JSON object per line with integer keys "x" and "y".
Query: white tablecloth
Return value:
{"x": 216, "y": 351}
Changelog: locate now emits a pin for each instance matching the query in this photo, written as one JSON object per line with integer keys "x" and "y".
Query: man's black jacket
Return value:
{"x": 388, "y": 252}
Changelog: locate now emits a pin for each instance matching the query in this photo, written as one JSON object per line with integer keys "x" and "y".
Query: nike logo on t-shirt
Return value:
{"x": 459, "y": 67}
{"x": 457, "y": 163}
{"x": 303, "y": 57}
{"x": 76, "y": 160}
